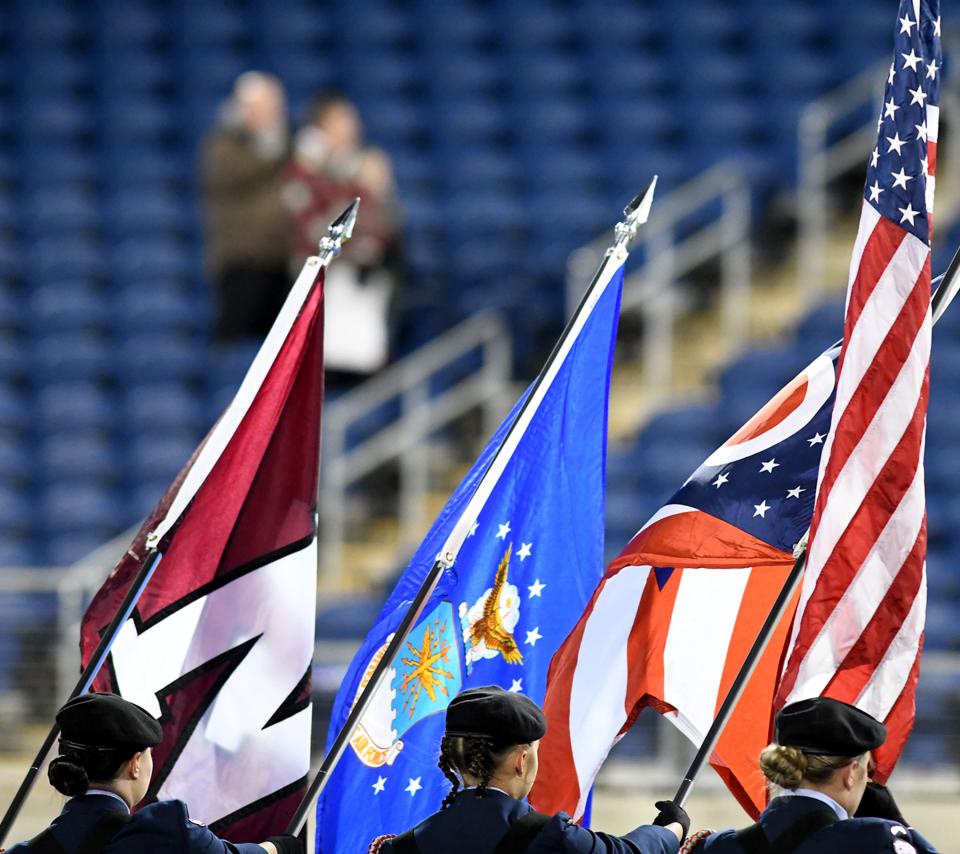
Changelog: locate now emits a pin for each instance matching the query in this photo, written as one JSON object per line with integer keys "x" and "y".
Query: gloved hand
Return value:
{"x": 878, "y": 802}
{"x": 671, "y": 813}
{"x": 287, "y": 844}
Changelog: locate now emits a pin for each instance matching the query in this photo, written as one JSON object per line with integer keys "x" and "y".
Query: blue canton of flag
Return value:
{"x": 900, "y": 175}
{"x": 517, "y": 588}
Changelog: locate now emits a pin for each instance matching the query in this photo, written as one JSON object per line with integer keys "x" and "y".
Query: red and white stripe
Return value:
{"x": 635, "y": 647}
{"x": 859, "y": 627}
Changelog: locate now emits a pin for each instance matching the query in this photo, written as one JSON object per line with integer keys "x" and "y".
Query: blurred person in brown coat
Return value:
{"x": 247, "y": 229}
{"x": 331, "y": 165}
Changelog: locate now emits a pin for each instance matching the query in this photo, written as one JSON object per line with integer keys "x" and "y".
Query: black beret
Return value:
{"x": 107, "y": 720}
{"x": 829, "y": 727}
{"x": 502, "y": 715}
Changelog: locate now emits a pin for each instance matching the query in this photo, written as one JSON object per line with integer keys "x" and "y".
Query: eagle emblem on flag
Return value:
{"x": 488, "y": 626}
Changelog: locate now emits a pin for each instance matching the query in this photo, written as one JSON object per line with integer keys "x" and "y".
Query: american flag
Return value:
{"x": 671, "y": 622}
{"x": 859, "y": 627}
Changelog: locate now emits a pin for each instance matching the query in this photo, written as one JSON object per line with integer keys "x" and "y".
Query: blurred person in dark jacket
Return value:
{"x": 331, "y": 165}
{"x": 247, "y": 230}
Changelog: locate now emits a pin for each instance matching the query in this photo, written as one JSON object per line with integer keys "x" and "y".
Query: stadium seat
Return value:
{"x": 53, "y": 167}
{"x": 158, "y": 458}
{"x": 208, "y": 23}
{"x": 159, "y": 356}
{"x": 57, "y": 210}
{"x": 66, "y": 306}
{"x": 16, "y": 457}
{"x": 76, "y": 355}
{"x": 13, "y": 361}
{"x": 126, "y": 24}
{"x": 158, "y": 257}
{"x": 142, "y": 212}
{"x": 56, "y": 72}
{"x": 48, "y": 24}
{"x": 62, "y": 407}
{"x": 76, "y": 507}
{"x": 77, "y": 456}
{"x": 127, "y": 71}
{"x": 165, "y": 407}
{"x": 73, "y": 256}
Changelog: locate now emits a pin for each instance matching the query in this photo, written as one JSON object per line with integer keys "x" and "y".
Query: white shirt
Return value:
{"x": 111, "y": 794}
{"x": 842, "y": 814}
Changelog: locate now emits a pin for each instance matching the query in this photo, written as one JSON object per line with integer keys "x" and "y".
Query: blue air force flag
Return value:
{"x": 524, "y": 574}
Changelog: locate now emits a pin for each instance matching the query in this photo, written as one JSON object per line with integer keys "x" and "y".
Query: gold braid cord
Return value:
{"x": 693, "y": 841}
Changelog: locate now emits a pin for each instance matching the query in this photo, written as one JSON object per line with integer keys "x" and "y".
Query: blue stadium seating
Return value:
{"x": 517, "y": 131}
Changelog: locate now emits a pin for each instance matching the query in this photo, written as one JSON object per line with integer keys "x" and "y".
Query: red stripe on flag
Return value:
{"x": 874, "y": 387}
{"x": 557, "y": 787}
{"x": 750, "y": 727}
{"x": 932, "y": 158}
{"x": 646, "y": 643}
{"x": 878, "y": 505}
{"x": 861, "y": 662}
{"x": 899, "y": 723}
{"x": 881, "y": 246}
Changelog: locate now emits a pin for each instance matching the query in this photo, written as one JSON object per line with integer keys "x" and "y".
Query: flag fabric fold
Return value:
{"x": 859, "y": 627}
{"x": 677, "y": 611}
{"x": 525, "y": 570}
{"x": 220, "y": 644}
{"x": 672, "y": 621}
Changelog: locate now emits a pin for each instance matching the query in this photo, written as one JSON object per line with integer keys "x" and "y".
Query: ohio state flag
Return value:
{"x": 220, "y": 644}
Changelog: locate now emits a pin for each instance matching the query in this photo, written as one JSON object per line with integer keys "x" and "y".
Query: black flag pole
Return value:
{"x": 330, "y": 246}
{"x": 743, "y": 676}
{"x": 151, "y": 560}
{"x": 938, "y": 304}
{"x": 635, "y": 214}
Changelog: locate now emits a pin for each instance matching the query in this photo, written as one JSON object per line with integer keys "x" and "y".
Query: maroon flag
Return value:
{"x": 220, "y": 645}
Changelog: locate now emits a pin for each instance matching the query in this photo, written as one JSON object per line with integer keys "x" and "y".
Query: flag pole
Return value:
{"x": 743, "y": 676}
{"x": 938, "y": 304}
{"x": 330, "y": 246}
{"x": 948, "y": 288}
{"x": 635, "y": 214}
{"x": 152, "y": 559}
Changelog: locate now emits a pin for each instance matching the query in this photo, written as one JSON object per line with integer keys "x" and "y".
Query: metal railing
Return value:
{"x": 403, "y": 441}
{"x": 827, "y": 151}
{"x": 670, "y": 249}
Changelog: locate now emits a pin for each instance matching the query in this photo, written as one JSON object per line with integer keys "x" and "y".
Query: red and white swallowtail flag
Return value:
{"x": 220, "y": 645}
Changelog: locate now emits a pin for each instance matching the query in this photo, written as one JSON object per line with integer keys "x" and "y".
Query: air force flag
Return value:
{"x": 520, "y": 582}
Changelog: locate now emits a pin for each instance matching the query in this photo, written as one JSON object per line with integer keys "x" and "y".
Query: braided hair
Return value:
{"x": 475, "y": 755}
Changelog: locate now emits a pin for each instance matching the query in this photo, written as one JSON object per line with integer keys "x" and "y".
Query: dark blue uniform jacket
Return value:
{"x": 850, "y": 836}
{"x": 161, "y": 827}
{"x": 474, "y": 825}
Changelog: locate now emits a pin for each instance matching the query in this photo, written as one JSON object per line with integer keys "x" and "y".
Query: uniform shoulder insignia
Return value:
{"x": 901, "y": 843}
{"x": 197, "y": 823}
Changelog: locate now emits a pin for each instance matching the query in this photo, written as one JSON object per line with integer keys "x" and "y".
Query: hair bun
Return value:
{"x": 67, "y": 777}
{"x": 783, "y": 765}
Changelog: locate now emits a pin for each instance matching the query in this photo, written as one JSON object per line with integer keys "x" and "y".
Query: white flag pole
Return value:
{"x": 636, "y": 213}
{"x": 339, "y": 231}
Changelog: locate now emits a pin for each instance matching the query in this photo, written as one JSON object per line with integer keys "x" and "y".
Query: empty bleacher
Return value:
{"x": 518, "y": 131}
